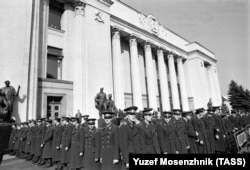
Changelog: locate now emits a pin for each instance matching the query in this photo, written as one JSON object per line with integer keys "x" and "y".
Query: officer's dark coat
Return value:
{"x": 12, "y": 135}
{"x": 128, "y": 140}
{"x": 28, "y": 141}
{"x": 234, "y": 120}
{"x": 242, "y": 121}
{"x": 219, "y": 130}
{"x": 92, "y": 149}
{"x": 33, "y": 140}
{"x": 110, "y": 148}
{"x": 191, "y": 133}
{"x": 57, "y": 137}
{"x": 76, "y": 147}
{"x": 166, "y": 136}
{"x": 230, "y": 143}
{"x": 65, "y": 142}
{"x": 209, "y": 126}
{"x": 179, "y": 136}
{"x": 199, "y": 126}
{"x": 23, "y": 139}
{"x": 17, "y": 140}
{"x": 20, "y": 138}
{"x": 48, "y": 143}
{"x": 39, "y": 141}
{"x": 148, "y": 138}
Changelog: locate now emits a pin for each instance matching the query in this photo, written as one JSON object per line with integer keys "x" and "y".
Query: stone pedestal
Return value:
{"x": 5, "y": 130}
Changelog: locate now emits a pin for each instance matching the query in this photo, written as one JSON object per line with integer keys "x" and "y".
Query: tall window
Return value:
{"x": 54, "y": 63}
{"x": 55, "y": 14}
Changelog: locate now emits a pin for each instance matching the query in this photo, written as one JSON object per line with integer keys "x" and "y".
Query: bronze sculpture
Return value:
{"x": 100, "y": 101}
{"x": 9, "y": 93}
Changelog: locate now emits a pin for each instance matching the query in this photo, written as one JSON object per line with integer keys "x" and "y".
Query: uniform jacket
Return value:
{"x": 77, "y": 146}
{"x": 166, "y": 136}
{"x": 148, "y": 138}
{"x": 28, "y": 141}
{"x": 128, "y": 139}
{"x": 192, "y": 137}
{"x": 65, "y": 142}
{"x": 180, "y": 138}
{"x": 109, "y": 147}
{"x": 48, "y": 143}
{"x": 57, "y": 137}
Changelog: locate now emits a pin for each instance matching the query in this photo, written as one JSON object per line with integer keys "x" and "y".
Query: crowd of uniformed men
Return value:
{"x": 76, "y": 143}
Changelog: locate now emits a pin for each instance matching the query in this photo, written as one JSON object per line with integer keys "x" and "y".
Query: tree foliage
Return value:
{"x": 238, "y": 96}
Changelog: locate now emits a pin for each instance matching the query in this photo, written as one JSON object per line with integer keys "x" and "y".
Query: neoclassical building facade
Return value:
{"x": 62, "y": 52}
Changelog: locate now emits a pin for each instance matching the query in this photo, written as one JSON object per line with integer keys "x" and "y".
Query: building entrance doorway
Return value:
{"x": 53, "y": 106}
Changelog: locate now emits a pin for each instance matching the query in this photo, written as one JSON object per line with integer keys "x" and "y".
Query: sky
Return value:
{"x": 222, "y": 26}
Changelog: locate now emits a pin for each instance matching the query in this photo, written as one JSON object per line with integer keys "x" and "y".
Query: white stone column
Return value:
{"x": 135, "y": 73}
{"x": 150, "y": 77}
{"x": 173, "y": 82}
{"x": 117, "y": 70}
{"x": 211, "y": 84}
{"x": 162, "y": 67}
{"x": 217, "y": 87}
{"x": 183, "y": 88}
{"x": 33, "y": 68}
{"x": 79, "y": 91}
{"x": 44, "y": 39}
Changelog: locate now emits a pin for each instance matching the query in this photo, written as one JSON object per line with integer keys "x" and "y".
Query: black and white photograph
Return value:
{"x": 124, "y": 84}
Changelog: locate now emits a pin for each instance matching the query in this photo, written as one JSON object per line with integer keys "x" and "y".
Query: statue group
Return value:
{"x": 102, "y": 103}
{"x": 7, "y": 96}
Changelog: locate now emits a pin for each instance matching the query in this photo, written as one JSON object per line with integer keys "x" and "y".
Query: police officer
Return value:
{"x": 47, "y": 144}
{"x": 43, "y": 132}
{"x": 92, "y": 146}
{"x": 17, "y": 140}
{"x": 28, "y": 142}
{"x": 210, "y": 126}
{"x": 181, "y": 142}
{"x": 65, "y": 142}
{"x": 109, "y": 149}
{"x": 148, "y": 134}
{"x": 12, "y": 137}
{"x": 84, "y": 122}
{"x": 39, "y": 140}
{"x": 165, "y": 132}
{"x": 57, "y": 136}
{"x": 33, "y": 140}
{"x": 199, "y": 126}
{"x": 129, "y": 136}
{"x": 219, "y": 131}
{"x": 23, "y": 139}
{"x": 77, "y": 143}
{"x": 191, "y": 133}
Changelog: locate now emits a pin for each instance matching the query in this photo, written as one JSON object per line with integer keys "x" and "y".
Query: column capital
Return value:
{"x": 79, "y": 6}
{"x": 132, "y": 40}
{"x": 179, "y": 58}
{"x": 147, "y": 45}
{"x": 160, "y": 48}
{"x": 115, "y": 28}
{"x": 116, "y": 33}
{"x": 170, "y": 54}
{"x": 159, "y": 51}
